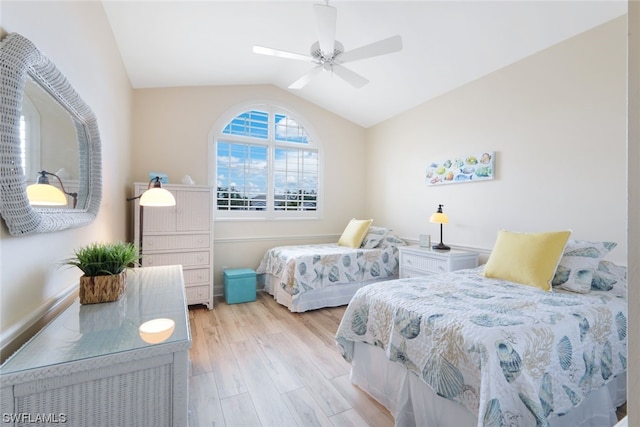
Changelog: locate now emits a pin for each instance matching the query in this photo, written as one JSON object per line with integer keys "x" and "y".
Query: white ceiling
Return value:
{"x": 445, "y": 44}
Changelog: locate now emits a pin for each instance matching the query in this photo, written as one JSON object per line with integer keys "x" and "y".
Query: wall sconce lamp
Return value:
{"x": 440, "y": 217}
{"x": 44, "y": 194}
{"x": 153, "y": 197}
{"x": 156, "y": 195}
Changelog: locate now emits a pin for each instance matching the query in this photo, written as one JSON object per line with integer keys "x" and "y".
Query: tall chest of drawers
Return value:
{"x": 179, "y": 235}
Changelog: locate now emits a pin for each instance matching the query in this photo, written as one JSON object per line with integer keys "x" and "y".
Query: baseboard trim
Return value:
{"x": 15, "y": 336}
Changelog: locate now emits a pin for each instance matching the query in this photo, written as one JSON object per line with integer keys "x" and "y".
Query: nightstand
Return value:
{"x": 419, "y": 261}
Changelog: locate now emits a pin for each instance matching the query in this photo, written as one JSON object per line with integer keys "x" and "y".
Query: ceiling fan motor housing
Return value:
{"x": 320, "y": 58}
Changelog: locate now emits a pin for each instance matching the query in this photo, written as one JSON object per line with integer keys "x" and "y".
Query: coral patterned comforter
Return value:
{"x": 511, "y": 354}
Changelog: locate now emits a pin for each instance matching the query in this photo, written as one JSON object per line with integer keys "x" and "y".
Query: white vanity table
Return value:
{"x": 90, "y": 366}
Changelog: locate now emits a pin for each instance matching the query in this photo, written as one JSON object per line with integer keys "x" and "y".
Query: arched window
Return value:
{"x": 267, "y": 165}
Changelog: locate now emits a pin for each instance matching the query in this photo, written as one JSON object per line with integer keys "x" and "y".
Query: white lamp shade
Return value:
{"x": 157, "y": 330}
{"x": 157, "y": 197}
{"x": 45, "y": 195}
{"x": 439, "y": 218}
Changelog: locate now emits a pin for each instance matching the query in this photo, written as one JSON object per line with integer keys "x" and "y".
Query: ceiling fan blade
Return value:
{"x": 280, "y": 53}
{"x": 302, "y": 81}
{"x": 353, "y": 78}
{"x": 326, "y": 17}
{"x": 392, "y": 44}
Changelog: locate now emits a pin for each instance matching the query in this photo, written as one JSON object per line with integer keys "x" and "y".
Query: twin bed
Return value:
{"x": 463, "y": 349}
{"x": 308, "y": 277}
{"x": 459, "y": 349}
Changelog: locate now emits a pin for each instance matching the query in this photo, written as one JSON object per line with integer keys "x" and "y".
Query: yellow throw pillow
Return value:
{"x": 354, "y": 233}
{"x": 526, "y": 258}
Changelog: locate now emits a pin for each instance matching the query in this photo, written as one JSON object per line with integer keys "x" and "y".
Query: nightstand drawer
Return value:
{"x": 419, "y": 261}
{"x": 408, "y": 273}
{"x": 425, "y": 264}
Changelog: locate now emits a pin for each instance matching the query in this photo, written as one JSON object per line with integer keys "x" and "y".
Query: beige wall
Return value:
{"x": 171, "y": 130}
{"x": 557, "y": 122}
{"x": 84, "y": 50}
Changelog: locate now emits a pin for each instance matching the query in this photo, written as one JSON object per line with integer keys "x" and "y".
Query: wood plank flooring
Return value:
{"x": 258, "y": 364}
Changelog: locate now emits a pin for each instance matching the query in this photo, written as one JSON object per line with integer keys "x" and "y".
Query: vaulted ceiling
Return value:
{"x": 445, "y": 44}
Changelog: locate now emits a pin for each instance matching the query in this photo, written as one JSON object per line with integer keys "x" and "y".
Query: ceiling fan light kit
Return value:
{"x": 328, "y": 54}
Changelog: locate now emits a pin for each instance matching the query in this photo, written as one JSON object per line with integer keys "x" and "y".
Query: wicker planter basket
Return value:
{"x": 96, "y": 289}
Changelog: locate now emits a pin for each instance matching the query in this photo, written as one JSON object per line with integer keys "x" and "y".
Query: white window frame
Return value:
{"x": 30, "y": 140}
{"x": 270, "y": 213}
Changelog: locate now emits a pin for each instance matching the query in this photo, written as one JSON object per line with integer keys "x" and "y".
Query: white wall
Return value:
{"x": 78, "y": 39}
{"x": 171, "y": 134}
{"x": 633, "y": 179}
{"x": 557, "y": 122}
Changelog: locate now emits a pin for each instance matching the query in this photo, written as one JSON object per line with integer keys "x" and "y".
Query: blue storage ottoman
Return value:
{"x": 239, "y": 285}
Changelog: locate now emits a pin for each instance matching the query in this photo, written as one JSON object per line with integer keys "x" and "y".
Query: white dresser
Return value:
{"x": 419, "y": 261}
{"x": 180, "y": 234}
{"x": 90, "y": 366}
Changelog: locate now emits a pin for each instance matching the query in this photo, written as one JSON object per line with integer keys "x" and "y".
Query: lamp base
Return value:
{"x": 441, "y": 247}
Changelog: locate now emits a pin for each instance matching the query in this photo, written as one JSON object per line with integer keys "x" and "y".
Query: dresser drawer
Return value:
{"x": 196, "y": 275}
{"x": 424, "y": 264}
{"x": 197, "y": 294}
{"x": 175, "y": 242}
{"x": 185, "y": 259}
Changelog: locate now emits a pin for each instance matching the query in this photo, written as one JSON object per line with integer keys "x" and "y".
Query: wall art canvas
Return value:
{"x": 468, "y": 168}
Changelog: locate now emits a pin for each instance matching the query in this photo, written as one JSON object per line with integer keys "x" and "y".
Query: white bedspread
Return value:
{"x": 511, "y": 354}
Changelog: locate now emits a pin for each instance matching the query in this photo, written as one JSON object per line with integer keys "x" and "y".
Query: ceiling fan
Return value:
{"x": 328, "y": 54}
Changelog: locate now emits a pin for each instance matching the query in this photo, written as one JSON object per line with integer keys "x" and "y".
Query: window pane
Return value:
{"x": 287, "y": 129}
{"x": 242, "y": 176}
{"x": 250, "y": 123}
{"x": 295, "y": 179}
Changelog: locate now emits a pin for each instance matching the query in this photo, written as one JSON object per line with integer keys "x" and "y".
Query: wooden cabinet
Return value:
{"x": 419, "y": 261}
{"x": 180, "y": 234}
{"x": 91, "y": 366}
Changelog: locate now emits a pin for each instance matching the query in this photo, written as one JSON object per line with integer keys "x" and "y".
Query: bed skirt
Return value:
{"x": 330, "y": 296}
{"x": 413, "y": 403}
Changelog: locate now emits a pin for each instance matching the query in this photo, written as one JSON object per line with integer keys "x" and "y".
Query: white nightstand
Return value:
{"x": 418, "y": 261}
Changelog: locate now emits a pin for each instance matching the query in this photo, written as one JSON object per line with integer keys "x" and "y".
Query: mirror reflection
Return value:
{"x": 36, "y": 142}
{"x": 48, "y": 140}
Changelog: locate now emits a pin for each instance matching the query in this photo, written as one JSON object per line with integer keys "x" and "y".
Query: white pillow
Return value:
{"x": 578, "y": 264}
{"x": 374, "y": 237}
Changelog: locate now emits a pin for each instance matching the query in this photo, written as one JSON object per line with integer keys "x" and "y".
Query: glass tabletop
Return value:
{"x": 92, "y": 330}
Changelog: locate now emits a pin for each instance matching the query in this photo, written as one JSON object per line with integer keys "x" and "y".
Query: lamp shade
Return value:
{"x": 439, "y": 218}
{"x": 45, "y": 195}
{"x": 157, "y": 196}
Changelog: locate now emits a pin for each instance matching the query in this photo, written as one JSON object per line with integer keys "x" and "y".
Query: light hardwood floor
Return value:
{"x": 257, "y": 364}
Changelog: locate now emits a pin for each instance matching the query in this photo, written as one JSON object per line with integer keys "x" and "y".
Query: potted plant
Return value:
{"x": 104, "y": 266}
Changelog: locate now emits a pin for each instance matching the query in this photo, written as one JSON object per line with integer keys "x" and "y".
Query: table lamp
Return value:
{"x": 440, "y": 217}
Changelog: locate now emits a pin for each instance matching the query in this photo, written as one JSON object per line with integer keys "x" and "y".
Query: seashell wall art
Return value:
{"x": 469, "y": 168}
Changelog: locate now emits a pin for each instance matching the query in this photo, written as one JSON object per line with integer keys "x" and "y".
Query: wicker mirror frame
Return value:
{"x": 19, "y": 60}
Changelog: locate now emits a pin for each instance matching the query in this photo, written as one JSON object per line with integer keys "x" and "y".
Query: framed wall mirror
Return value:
{"x": 46, "y": 126}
